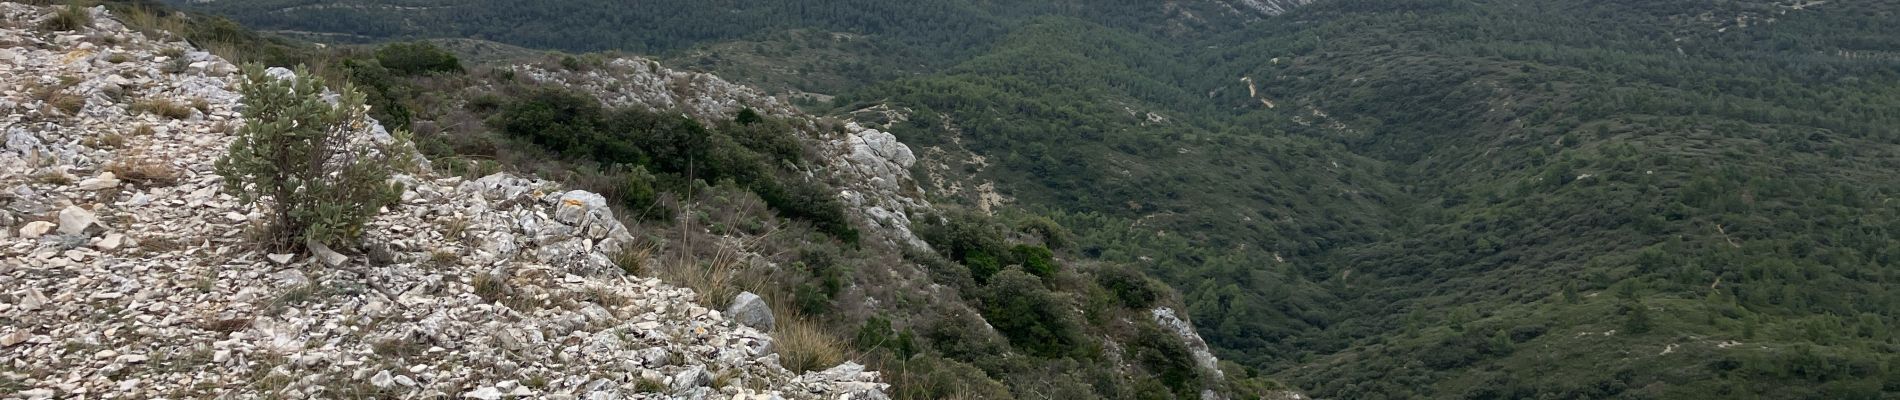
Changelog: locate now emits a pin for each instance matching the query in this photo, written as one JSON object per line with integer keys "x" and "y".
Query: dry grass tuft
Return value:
{"x": 147, "y": 21}
{"x": 803, "y": 345}
{"x": 161, "y": 244}
{"x": 54, "y": 178}
{"x": 490, "y": 287}
{"x": 138, "y": 169}
{"x": 71, "y": 18}
{"x": 109, "y": 140}
{"x": 494, "y": 288}
{"x": 633, "y": 259}
{"x": 164, "y": 108}
{"x": 226, "y": 325}
{"x": 444, "y": 257}
{"x": 602, "y": 295}
{"x": 57, "y": 97}
{"x": 452, "y": 228}
{"x": 227, "y": 51}
{"x": 67, "y": 103}
{"x": 715, "y": 281}
{"x": 649, "y": 386}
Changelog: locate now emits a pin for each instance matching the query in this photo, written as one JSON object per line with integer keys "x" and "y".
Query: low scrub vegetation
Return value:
{"x": 287, "y": 123}
{"x": 752, "y": 154}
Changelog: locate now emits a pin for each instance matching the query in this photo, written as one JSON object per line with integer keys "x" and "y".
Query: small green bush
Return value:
{"x": 1053, "y": 234}
{"x": 295, "y": 150}
{"x": 877, "y": 333}
{"x": 747, "y": 116}
{"x": 1036, "y": 260}
{"x": 1130, "y": 287}
{"x": 637, "y": 192}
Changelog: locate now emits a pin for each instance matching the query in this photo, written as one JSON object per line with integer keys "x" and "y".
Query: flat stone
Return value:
{"x": 110, "y": 242}
{"x": 290, "y": 278}
{"x": 41, "y": 393}
{"x": 323, "y": 253}
{"x": 105, "y": 180}
{"x": 14, "y": 338}
{"x": 32, "y": 300}
{"x": 281, "y": 258}
{"x": 484, "y": 393}
{"x": 75, "y": 220}
{"x": 382, "y": 379}
{"x": 36, "y": 229}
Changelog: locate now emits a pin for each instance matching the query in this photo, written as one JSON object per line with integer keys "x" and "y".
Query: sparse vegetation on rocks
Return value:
{"x": 124, "y": 213}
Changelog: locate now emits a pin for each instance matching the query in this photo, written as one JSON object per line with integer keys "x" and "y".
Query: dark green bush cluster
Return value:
{"x": 1034, "y": 319}
{"x": 417, "y": 58}
{"x": 382, "y": 77}
{"x": 382, "y": 90}
{"x": 978, "y": 242}
{"x": 1036, "y": 260}
{"x": 288, "y": 124}
{"x": 754, "y": 153}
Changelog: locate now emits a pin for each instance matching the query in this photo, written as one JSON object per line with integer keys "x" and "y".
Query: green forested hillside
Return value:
{"x": 885, "y": 38}
{"x": 1577, "y": 174}
{"x": 1414, "y": 198}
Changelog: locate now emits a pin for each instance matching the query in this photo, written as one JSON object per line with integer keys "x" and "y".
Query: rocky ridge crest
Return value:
{"x": 126, "y": 270}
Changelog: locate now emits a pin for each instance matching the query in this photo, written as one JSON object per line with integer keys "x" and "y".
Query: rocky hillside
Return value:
{"x": 128, "y": 271}
{"x": 124, "y": 258}
{"x": 872, "y": 171}
{"x": 870, "y": 166}
{"x": 1262, "y": 7}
